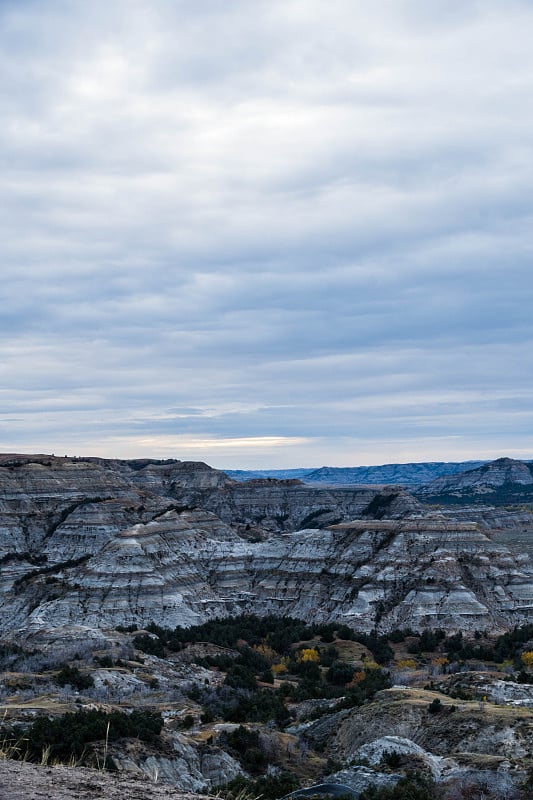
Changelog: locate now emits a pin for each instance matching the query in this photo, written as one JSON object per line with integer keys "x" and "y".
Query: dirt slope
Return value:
{"x": 23, "y": 781}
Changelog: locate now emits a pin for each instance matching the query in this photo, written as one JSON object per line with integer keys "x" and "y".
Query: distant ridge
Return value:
{"x": 279, "y": 474}
{"x": 500, "y": 482}
{"x": 412, "y": 474}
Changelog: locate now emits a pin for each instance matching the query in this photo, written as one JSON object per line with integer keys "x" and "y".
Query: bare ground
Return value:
{"x": 23, "y": 781}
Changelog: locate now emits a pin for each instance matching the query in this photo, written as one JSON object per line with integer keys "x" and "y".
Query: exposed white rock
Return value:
{"x": 189, "y": 767}
{"x": 509, "y": 693}
{"x": 374, "y": 752}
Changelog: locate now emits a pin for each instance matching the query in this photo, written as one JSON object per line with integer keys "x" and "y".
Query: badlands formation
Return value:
{"x": 92, "y": 551}
{"x": 93, "y": 543}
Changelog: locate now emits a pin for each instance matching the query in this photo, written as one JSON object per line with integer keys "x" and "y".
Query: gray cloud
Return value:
{"x": 305, "y": 227}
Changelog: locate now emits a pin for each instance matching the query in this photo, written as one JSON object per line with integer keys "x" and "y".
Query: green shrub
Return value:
{"x": 435, "y": 707}
{"x": 68, "y": 736}
{"x": 150, "y": 645}
{"x": 414, "y": 787}
{"x": 245, "y": 745}
{"x": 340, "y": 673}
{"x": 71, "y": 676}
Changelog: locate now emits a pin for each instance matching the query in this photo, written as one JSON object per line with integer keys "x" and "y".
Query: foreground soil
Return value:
{"x": 23, "y": 781}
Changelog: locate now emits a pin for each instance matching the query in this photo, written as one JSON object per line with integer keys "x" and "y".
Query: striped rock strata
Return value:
{"x": 185, "y": 567}
{"x": 97, "y": 543}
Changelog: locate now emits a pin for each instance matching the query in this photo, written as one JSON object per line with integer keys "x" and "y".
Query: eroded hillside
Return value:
{"x": 100, "y": 544}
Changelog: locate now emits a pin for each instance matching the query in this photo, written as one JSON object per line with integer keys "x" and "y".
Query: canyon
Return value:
{"x": 99, "y": 557}
{"x": 96, "y": 544}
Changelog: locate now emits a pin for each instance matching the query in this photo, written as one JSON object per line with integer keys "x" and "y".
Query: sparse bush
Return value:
{"x": 435, "y": 707}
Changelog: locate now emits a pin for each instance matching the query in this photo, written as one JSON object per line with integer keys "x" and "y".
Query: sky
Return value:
{"x": 267, "y": 234}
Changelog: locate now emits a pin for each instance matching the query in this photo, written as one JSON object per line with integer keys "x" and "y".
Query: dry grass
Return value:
{"x": 348, "y": 650}
{"x": 49, "y": 705}
{"x": 352, "y": 651}
{"x": 491, "y": 712}
{"x": 10, "y": 748}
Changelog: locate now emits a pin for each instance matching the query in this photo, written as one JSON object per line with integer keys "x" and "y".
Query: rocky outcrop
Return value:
{"x": 499, "y": 482}
{"x": 96, "y": 497}
{"x": 510, "y": 527}
{"x": 186, "y": 766}
{"x": 373, "y": 753}
{"x": 358, "y": 779}
{"x": 460, "y": 728}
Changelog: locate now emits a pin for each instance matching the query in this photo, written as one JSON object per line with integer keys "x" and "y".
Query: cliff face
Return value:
{"x": 98, "y": 544}
{"x": 39, "y": 496}
{"x": 184, "y": 568}
{"x": 265, "y": 504}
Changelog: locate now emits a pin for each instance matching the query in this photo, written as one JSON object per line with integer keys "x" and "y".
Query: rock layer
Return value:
{"x": 99, "y": 544}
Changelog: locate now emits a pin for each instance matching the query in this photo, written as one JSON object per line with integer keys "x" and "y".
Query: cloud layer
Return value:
{"x": 268, "y": 234}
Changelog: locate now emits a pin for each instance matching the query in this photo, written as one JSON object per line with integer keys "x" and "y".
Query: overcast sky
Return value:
{"x": 267, "y": 233}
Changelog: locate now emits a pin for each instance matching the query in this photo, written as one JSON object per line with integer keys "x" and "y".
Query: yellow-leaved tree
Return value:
{"x": 527, "y": 658}
{"x": 308, "y": 654}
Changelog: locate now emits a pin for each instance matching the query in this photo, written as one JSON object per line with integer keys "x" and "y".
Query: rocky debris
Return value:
{"x": 186, "y": 766}
{"x": 120, "y": 682}
{"x": 498, "y": 482}
{"x": 24, "y": 781}
{"x": 498, "y": 777}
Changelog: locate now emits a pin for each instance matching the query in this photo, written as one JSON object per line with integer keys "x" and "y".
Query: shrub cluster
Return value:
{"x": 71, "y": 676}
{"x": 68, "y": 736}
{"x": 245, "y": 745}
